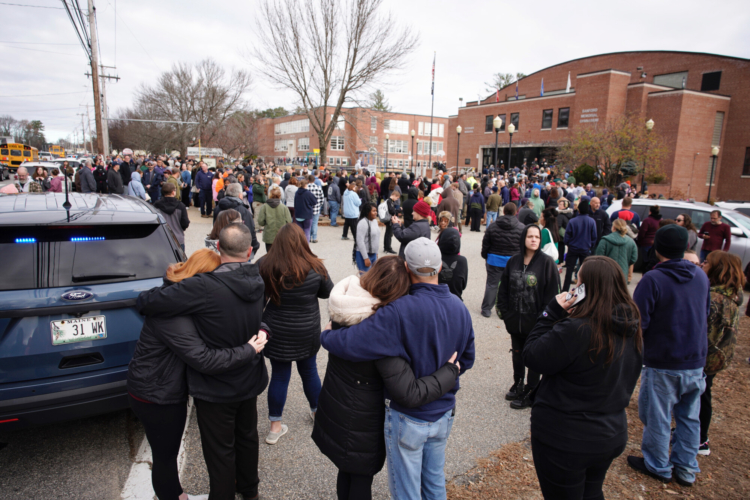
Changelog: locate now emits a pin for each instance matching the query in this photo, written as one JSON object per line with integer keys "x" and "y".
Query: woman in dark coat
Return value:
{"x": 295, "y": 279}
{"x": 590, "y": 356}
{"x": 647, "y": 231}
{"x": 349, "y": 425}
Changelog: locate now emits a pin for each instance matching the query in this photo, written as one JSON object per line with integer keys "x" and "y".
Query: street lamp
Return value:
{"x": 412, "y": 151}
{"x": 714, "y": 154}
{"x": 386, "y": 151}
{"x": 511, "y": 129}
{"x": 649, "y": 126}
{"x": 458, "y": 145}
{"x": 497, "y": 123}
{"x": 416, "y": 155}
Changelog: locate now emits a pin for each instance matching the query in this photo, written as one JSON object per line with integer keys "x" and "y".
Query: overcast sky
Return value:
{"x": 473, "y": 40}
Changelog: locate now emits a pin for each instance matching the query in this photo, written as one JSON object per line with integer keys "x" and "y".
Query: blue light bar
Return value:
{"x": 87, "y": 238}
{"x": 25, "y": 240}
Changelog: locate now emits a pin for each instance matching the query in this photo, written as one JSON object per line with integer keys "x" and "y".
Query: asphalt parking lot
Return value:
{"x": 93, "y": 458}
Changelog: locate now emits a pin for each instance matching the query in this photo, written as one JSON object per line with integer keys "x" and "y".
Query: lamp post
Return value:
{"x": 412, "y": 151}
{"x": 649, "y": 126}
{"x": 416, "y": 156}
{"x": 511, "y": 129}
{"x": 497, "y": 123}
{"x": 386, "y": 151}
{"x": 714, "y": 154}
{"x": 458, "y": 146}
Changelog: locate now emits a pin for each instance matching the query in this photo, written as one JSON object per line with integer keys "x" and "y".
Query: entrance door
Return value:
{"x": 291, "y": 151}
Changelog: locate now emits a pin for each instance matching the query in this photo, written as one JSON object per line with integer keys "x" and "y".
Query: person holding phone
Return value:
{"x": 715, "y": 233}
{"x": 529, "y": 281}
{"x": 589, "y": 352}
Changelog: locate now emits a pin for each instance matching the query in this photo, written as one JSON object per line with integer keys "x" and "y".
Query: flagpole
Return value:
{"x": 432, "y": 108}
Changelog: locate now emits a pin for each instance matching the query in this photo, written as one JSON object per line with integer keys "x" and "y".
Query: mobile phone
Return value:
{"x": 579, "y": 293}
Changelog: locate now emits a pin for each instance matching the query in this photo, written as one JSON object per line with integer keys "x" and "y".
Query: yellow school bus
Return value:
{"x": 58, "y": 151}
{"x": 14, "y": 154}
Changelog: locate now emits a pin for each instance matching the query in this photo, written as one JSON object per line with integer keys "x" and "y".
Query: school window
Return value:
{"x": 303, "y": 144}
{"x": 547, "y": 119}
{"x": 424, "y": 147}
{"x": 438, "y": 129}
{"x": 674, "y": 80}
{"x": 396, "y": 126}
{"x": 488, "y": 123}
{"x": 373, "y": 139}
{"x": 746, "y": 165}
{"x": 374, "y": 122}
{"x": 280, "y": 145}
{"x": 292, "y": 127}
{"x": 337, "y": 143}
{"x": 711, "y": 81}
{"x": 339, "y": 122}
{"x": 399, "y": 147}
{"x": 514, "y": 119}
{"x": 563, "y": 115}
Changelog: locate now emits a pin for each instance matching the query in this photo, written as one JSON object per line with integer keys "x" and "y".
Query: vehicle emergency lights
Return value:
{"x": 25, "y": 240}
{"x": 87, "y": 238}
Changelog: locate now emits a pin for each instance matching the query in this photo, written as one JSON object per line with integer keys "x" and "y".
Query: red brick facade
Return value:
{"x": 607, "y": 86}
{"x": 364, "y": 139}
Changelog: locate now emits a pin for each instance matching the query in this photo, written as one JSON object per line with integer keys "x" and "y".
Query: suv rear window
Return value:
{"x": 69, "y": 256}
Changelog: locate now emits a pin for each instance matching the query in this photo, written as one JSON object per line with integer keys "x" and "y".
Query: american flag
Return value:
{"x": 433, "y": 73}
{"x": 497, "y": 95}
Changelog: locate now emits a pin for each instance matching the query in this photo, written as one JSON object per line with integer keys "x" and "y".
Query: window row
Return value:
{"x": 438, "y": 129}
{"x": 424, "y": 147}
{"x": 337, "y": 143}
{"x": 396, "y": 126}
{"x": 292, "y": 127}
{"x": 398, "y": 147}
{"x": 489, "y": 122}
{"x": 303, "y": 144}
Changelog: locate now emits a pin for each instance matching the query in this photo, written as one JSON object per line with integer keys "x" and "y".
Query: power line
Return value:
{"x": 137, "y": 39}
{"x": 34, "y": 6}
{"x": 40, "y": 95}
{"x": 78, "y": 31}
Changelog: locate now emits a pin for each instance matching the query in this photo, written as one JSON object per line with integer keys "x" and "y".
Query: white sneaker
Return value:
{"x": 197, "y": 497}
{"x": 273, "y": 437}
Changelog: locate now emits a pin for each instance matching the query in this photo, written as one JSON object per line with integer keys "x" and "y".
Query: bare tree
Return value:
{"x": 202, "y": 93}
{"x": 502, "y": 80}
{"x": 328, "y": 52}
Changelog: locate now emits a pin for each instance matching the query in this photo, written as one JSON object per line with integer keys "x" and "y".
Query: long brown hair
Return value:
{"x": 202, "y": 261}
{"x": 606, "y": 293}
{"x": 725, "y": 270}
{"x": 225, "y": 218}
{"x": 387, "y": 280}
{"x": 288, "y": 262}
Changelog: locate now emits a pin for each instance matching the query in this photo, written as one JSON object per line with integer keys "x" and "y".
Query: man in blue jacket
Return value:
{"x": 203, "y": 181}
{"x": 580, "y": 238}
{"x": 674, "y": 302}
{"x": 425, "y": 327}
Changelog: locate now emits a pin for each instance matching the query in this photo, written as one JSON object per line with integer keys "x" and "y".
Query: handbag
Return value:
{"x": 551, "y": 249}
{"x": 194, "y": 189}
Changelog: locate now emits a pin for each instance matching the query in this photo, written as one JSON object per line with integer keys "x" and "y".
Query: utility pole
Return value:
{"x": 83, "y": 128}
{"x": 95, "y": 78}
{"x": 105, "y": 109}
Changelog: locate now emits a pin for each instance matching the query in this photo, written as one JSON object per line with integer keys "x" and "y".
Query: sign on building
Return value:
{"x": 205, "y": 152}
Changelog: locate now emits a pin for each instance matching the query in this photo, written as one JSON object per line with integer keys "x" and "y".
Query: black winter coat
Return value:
{"x": 157, "y": 371}
{"x": 226, "y": 306}
{"x": 114, "y": 182}
{"x": 247, "y": 216}
{"x": 503, "y": 237}
{"x": 296, "y": 321}
{"x": 418, "y": 229}
{"x": 580, "y": 403}
{"x": 523, "y": 293}
{"x": 349, "y": 423}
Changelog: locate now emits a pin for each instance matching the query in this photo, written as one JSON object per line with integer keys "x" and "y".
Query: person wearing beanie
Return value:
{"x": 420, "y": 228}
{"x": 580, "y": 238}
{"x": 674, "y": 302}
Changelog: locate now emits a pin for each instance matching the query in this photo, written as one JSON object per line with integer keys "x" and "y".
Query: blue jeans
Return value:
{"x": 663, "y": 393}
{"x": 305, "y": 225}
{"x": 334, "y": 211}
{"x": 416, "y": 455}
{"x": 314, "y": 227}
{"x": 572, "y": 258}
{"x": 491, "y": 217}
{"x": 206, "y": 200}
{"x": 704, "y": 254}
{"x": 361, "y": 261}
{"x": 281, "y": 373}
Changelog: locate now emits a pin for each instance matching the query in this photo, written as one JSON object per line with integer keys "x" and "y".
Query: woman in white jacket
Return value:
{"x": 367, "y": 238}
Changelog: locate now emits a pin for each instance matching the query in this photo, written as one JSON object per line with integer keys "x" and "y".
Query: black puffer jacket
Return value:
{"x": 503, "y": 237}
{"x": 349, "y": 423}
{"x": 157, "y": 372}
{"x": 524, "y": 291}
{"x": 296, "y": 321}
{"x": 226, "y": 306}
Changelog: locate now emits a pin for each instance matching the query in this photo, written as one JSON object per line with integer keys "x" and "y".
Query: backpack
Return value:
{"x": 383, "y": 215}
{"x": 446, "y": 273}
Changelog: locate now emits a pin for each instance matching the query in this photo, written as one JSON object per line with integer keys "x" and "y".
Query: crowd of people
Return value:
{"x": 399, "y": 331}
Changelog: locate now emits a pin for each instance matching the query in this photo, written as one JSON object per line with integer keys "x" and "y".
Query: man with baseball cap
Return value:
{"x": 674, "y": 303}
{"x": 420, "y": 228}
{"x": 425, "y": 327}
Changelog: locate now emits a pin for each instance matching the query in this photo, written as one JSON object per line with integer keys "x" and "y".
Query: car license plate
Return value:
{"x": 72, "y": 330}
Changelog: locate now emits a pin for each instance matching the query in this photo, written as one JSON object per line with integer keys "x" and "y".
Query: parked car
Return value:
{"x": 700, "y": 213}
{"x": 45, "y": 156}
{"x": 742, "y": 207}
{"x": 68, "y": 323}
{"x": 73, "y": 162}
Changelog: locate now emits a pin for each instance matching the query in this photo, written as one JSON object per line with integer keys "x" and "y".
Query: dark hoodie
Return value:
{"x": 449, "y": 204}
{"x": 226, "y": 306}
{"x": 675, "y": 302}
{"x": 525, "y": 289}
{"x": 455, "y": 270}
{"x": 580, "y": 403}
{"x": 176, "y": 215}
{"x": 408, "y": 206}
{"x": 285, "y": 182}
